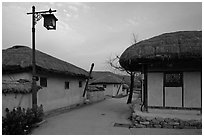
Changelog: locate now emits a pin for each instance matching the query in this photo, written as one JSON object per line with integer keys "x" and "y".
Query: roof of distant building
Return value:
{"x": 110, "y": 79}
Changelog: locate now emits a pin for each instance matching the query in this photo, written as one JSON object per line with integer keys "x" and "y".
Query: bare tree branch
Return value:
{"x": 135, "y": 41}
{"x": 114, "y": 63}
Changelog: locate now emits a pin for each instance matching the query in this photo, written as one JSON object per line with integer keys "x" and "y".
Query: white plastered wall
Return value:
{"x": 192, "y": 88}
{"x": 173, "y": 95}
{"x": 155, "y": 89}
{"x": 111, "y": 89}
{"x": 54, "y": 95}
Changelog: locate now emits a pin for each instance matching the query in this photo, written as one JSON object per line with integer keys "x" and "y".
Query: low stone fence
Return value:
{"x": 159, "y": 122}
{"x": 150, "y": 120}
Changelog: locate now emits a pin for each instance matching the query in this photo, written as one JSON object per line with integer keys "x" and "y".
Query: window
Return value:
{"x": 173, "y": 79}
{"x": 104, "y": 86}
{"x": 66, "y": 85}
{"x": 43, "y": 82}
{"x": 80, "y": 84}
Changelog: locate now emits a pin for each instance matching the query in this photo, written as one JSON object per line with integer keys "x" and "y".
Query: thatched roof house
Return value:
{"x": 171, "y": 65}
{"x": 111, "y": 84}
{"x": 126, "y": 78}
{"x": 62, "y": 83}
{"x": 18, "y": 59}
{"x": 182, "y": 46}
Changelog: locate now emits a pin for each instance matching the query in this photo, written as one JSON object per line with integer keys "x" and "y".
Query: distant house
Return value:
{"x": 126, "y": 78}
{"x": 61, "y": 83}
{"x": 111, "y": 84}
{"x": 171, "y": 64}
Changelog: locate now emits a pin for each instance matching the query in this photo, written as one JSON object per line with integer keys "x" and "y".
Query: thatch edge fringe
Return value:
{"x": 169, "y": 47}
{"x": 17, "y": 87}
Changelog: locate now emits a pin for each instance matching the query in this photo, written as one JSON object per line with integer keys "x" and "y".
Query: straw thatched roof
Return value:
{"x": 110, "y": 79}
{"x": 182, "y": 46}
{"x": 126, "y": 78}
{"x": 18, "y": 58}
{"x": 99, "y": 74}
{"x": 17, "y": 86}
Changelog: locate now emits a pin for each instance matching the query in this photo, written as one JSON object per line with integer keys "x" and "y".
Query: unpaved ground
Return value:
{"x": 98, "y": 119}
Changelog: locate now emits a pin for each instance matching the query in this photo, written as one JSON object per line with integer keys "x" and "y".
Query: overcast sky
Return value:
{"x": 95, "y": 32}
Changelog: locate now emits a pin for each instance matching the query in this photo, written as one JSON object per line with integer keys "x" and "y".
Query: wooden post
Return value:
{"x": 131, "y": 88}
{"x": 201, "y": 91}
{"x": 34, "y": 90}
{"x": 92, "y": 65}
{"x": 141, "y": 91}
{"x": 34, "y": 77}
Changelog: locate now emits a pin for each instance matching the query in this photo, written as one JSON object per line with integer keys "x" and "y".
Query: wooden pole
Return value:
{"x": 34, "y": 87}
{"x": 34, "y": 90}
{"x": 92, "y": 65}
{"x": 201, "y": 91}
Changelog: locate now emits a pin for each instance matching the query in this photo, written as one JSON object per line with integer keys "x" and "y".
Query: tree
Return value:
{"x": 114, "y": 63}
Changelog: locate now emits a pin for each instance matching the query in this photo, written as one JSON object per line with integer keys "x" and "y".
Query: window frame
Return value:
{"x": 43, "y": 81}
{"x": 168, "y": 83}
{"x": 67, "y": 85}
{"x": 80, "y": 84}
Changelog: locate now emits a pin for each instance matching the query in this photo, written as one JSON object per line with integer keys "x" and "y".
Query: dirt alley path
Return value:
{"x": 99, "y": 119}
{"x": 93, "y": 119}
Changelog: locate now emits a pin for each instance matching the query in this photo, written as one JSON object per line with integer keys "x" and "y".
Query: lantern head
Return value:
{"x": 49, "y": 21}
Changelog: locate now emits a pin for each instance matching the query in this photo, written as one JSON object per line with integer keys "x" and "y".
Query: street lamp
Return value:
{"x": 49, "y": 23}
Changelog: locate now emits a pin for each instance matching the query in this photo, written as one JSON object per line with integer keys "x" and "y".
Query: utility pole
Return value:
{"x": 34, "y": 91}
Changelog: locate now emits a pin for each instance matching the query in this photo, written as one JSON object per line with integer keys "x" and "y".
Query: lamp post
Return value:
{"x": 49, "y": 24}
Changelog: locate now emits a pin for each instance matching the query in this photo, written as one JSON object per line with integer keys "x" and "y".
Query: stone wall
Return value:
{"x": 159, "y": 122}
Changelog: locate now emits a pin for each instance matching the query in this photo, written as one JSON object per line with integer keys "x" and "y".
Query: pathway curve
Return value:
{"x": 99, "y": 119}
{"x": 94, "y": 119}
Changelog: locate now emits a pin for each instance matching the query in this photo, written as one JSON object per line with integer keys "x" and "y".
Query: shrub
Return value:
{"x": 21, "y": 121}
